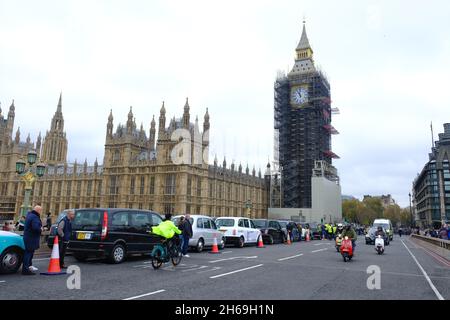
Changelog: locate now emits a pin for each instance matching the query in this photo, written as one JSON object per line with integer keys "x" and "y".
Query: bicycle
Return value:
{"x": 168, "y": 250}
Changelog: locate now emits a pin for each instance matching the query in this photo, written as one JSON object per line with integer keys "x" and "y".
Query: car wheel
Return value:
{"x": 80, "y": 257}
{"x": 118, "y": 254}
{"x": 271, "y": 242}
{"x": 240, "y": 243}
{"x": 222, "y": 244}
{"x": 200, "y": 245}
{"x": 10, "y": 261}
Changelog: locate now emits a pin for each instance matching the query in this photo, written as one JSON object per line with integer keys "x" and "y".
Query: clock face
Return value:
{"x": 300, "y": 95}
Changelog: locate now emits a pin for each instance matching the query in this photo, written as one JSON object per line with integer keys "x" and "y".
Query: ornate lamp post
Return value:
{"x": 249, "y": 206}
{"x": 410, "y": 210}
{"x": 28, "y": 172}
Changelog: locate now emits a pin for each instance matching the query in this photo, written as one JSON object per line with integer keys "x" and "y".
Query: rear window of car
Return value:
{"x": 283, "y": 224}
{"x": 89, "y": 220}
{"x": 260, "y": 223}
{"x": 225, "y": 222}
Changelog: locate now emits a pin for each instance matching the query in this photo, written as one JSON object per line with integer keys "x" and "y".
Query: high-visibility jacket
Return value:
{"x": 166, "y": 229}
{"x": 334, "y": 229}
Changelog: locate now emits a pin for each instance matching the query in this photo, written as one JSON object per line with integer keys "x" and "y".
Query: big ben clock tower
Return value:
{"x": 302, "y": 121}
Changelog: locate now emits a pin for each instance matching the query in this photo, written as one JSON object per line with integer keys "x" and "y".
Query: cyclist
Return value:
{"x": 167, "y": 230}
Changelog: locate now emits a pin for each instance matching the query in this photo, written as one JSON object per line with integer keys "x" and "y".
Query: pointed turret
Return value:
{"x": 28, "y": 139}
{"x": 17, "y": 139}
{"x": 215, "y": 160}
{"x": 186, "y": 114}
{"x": 130, "y": 121}
{"x": 54, "y": 147}
{"x": 11, "y": 115}
{"x": 152, "y": 134}
{"x": 206, "y": 124}
{"x": 59, "y": 108}
{"x": 304, "y": 41}
{"x": 38, "y": 145}
{"x": 224, "y": 162}
{"x": 304, "y": 62}
{"x": 162, "y": 121}
{"x": 110, "y": 126}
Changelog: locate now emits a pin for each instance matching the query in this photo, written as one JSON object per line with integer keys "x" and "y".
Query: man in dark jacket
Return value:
{"x": 187, "y": 234}
{"x": 31, "y": 238}
{"x": 64, "y": 230}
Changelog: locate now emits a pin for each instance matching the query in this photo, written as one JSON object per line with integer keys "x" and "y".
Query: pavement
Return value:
{"x": 303, "y": 270}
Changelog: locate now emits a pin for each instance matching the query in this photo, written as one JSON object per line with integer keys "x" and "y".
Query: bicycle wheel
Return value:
{"x": 176, "y": 256}
{"x": 157, "y": 257}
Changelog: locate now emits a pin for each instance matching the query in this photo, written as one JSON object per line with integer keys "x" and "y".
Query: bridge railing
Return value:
{"x": 439, "y": 246}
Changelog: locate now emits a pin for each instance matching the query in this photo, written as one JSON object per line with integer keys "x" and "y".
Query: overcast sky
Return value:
{"x": 387, "y": 63}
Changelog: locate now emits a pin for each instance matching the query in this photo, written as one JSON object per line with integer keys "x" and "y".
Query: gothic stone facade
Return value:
{"x": 137, "y": 172}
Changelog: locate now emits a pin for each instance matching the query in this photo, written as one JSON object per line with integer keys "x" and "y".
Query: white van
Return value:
{"x": 387, "y": 225}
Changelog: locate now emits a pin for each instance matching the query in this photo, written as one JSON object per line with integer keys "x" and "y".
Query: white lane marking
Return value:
{"x": 194, "y": 269}
{"x": 145, "y": 295}
{"x": 291, "y": 257}
{"x": 2, "y": 281}
{"x": 318, "y": 244}
{"x": 233, "y": 258}
{"x": 319, "y": 250}
{"x": 235, "y": 271}
{"x": 225, "y": 252}
{"x": 41, "y": 259}
{"x": 209, "y": 270}
{"x": 436, "y": 292}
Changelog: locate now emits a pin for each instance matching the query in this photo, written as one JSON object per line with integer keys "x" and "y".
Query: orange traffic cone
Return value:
{"x": 260, "y": 242}
{"x": 215, "y": 247}
{"x": 288, "y": 238}
{"x": 54, "y": 267}
{"x": 307, "y": 236}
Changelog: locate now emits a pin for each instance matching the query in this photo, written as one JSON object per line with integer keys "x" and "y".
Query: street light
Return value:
{"x": 28, "y": 176}
{"x": 410, "y": 210}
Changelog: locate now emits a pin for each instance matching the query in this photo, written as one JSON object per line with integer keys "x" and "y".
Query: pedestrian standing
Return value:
{"x": 180, "y": 226}
{"x": 31, "y": 238}
{"x": 187, "y": 234}
{"x": 48, "y": 223}
{"x": 64, "y": 230}
{"x": 400, "y": 231}
{"x": 5, "y": 226}
{"x": 20, "y": 225}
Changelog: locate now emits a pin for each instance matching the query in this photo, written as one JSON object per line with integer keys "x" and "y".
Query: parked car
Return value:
{"x": 11, "y": 252}
{"x": 113, "y": 233}
{"x": 271, "y": 230}
{"x": 54, "y": 227}
{"x": 204, "y": 231}
{"x": 316, "y": 233}
{"x": 387, "y": 226}
{"x": 238, "y": 230}
{"x": 370, "y": 236}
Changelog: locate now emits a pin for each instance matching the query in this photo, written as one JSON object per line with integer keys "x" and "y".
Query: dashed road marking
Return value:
{"x": 145, "y": 294}
{"x": 291, "y": 257}
{"x": 194, "y": 269}
{"x": 2, "y": 281}
{"x": 209, "y": 270}
{"x": 436, "y": 292}
{"x": 319, "y": 250}
{"x": 232, "y": 258}
{"x": 235, "y": 271}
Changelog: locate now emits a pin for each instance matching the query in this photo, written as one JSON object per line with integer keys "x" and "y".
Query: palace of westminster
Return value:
{"x": 137, "y": 172}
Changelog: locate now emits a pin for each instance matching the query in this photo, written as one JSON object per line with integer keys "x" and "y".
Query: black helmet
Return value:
{"x": 380, "y": 228}
{"x": 168, "y": 216}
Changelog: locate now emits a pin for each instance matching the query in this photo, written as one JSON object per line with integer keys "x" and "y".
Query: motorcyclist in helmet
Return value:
{"x": 340, "y": 228}
{"x": 351, "y": 234}
{"x": 380, "y": 232}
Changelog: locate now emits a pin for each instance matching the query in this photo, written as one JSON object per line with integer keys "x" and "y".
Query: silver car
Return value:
{"x": 204, "y": 231}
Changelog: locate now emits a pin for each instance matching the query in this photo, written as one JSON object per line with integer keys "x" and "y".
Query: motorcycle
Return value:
{"x": 379, "y": 244}
{"x": 338, "y": 242}
{"x": 346, "y": 249}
